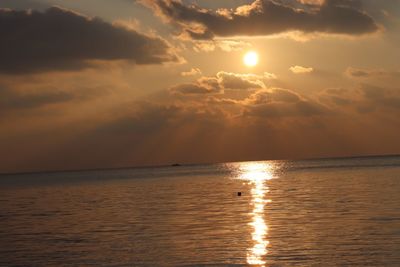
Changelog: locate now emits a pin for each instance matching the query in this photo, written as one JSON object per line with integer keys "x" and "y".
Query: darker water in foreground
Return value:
{"x": 336, "y": 212}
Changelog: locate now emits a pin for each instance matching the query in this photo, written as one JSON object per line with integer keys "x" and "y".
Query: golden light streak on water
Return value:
{"x": 256, "y": 174}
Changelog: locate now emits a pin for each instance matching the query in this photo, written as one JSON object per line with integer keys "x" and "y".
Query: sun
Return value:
{"x": 250, "y": 59}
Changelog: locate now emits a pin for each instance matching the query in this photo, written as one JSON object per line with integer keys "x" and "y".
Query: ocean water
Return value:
{"x": 330, "y": 212}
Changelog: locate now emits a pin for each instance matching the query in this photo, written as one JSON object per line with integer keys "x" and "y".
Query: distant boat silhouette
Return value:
{"x": 176, "y": 165}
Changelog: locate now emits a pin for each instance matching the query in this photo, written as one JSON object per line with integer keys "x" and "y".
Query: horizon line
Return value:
{"x": 192, "y": 164}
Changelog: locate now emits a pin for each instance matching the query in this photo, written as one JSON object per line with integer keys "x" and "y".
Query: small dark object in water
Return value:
{"x": 239, "y": 194}
{"x": 176, "y": 165}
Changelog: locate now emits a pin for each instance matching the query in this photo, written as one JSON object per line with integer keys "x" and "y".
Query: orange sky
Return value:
{"x": 93, "y": 84}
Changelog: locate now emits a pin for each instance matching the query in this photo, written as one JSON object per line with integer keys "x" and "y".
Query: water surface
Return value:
{"x": 333, "y": 212}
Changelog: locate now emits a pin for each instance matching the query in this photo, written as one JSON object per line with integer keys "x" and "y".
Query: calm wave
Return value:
{"x": 331, "y": 212}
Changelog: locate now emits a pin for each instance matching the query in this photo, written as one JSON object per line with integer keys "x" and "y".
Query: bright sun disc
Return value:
{"x": 250, "y": 59}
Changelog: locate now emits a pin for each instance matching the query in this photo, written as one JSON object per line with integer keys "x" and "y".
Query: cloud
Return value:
{"x": 224, "y": 45}
{"x": 61, "y": 39}
{"x": 282, "y": 123}
{"x": 222, "y": 81}
{"x": 301, "y": 70}
{"x": 203, "y": 85}
{"x": 24, "y": 4}
{"x": 312, "y": 2}
{"x": 191, "y": 72}
{"x": 11, "y": 100}
{"x": 365, "y": 98}
{"x": 36, "y": 94}
{"x": 145, "y": 118}
{"x": 263, "y": 18}
{"x": 237, "y": 81}
{"x": 337, "y": 96}
{"x": 384, "y": 98}
{"x": 278, "y": 102}
{"x": 369, "y": 73}
{"x": 266, "y": 96}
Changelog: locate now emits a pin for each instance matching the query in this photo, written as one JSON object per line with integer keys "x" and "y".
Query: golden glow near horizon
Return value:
{"x": 250, "y": 59}
{"x": 256, "y": 173}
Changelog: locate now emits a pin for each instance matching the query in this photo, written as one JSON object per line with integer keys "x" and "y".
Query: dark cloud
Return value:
{"x": 358, "y": 73}
{"x": 266, "y": 17}
{"x": 11, "y": 100}
{"x": 23, "y": 4}
{"x": 145, "y": 118}
{"x": 204, "y": 85}
{"x": 136, "y": 133}
{"x": 369, "y": 73}
{"x": 192, "y": 89}
{"x": 337, "y": 96}
{"x": 381, "y": 97}
{"x": 272, "y": 103}
{"x": 60, "y": 39}
{"x": 365, "y": 98}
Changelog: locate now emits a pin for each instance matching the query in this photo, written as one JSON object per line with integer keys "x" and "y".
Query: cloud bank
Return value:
{"x": 58, "y": 129}
{"x": 265, "y": 17}
{"x": 60, "y": 39}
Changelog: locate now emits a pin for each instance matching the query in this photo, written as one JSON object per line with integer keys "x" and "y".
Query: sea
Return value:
{"x": 325, "y": 212}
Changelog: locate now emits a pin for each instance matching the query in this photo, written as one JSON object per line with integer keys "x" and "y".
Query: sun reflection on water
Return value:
{"x": 256, "y": 173}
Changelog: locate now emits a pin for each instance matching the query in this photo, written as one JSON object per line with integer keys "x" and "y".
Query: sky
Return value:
{"x": 105, "y": 84}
